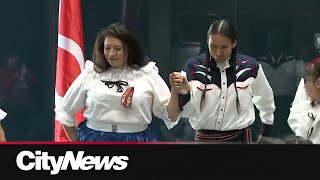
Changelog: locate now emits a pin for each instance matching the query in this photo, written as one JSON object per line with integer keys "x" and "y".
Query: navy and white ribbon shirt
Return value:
{"x": 220, "y": 108}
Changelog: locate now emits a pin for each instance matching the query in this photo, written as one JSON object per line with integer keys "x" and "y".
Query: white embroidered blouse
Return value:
{"x": 304, "y": 119}
{"x": 103, "y": 103}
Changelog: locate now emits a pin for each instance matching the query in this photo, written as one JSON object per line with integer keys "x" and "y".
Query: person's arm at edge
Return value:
{"x": 2, "y": 135}
{"x": 71, "y": 132}
{"x": 173, "y": 106}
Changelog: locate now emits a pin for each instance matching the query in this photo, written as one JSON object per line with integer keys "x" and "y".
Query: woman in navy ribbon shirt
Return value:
{"x": 218, "y": 90}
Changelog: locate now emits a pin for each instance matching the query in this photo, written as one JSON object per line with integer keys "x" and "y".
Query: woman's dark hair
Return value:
{"x": 312, "y": 69}
{"x": 131, "y": 44}
{"x": 226, "y": 29}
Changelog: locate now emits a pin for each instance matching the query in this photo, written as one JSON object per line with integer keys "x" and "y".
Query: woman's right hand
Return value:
{"x": 179, "y": 83}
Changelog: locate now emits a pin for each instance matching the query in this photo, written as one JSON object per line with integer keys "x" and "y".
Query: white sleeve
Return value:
{"x": 298, "y": 119}
{"x": 2, "y": 114}
{"x": 301, "y": 95}
{"x": 74, "y": 99}
{"x": 161, "y": 96}
{"x": 188, "y": 109}
{"x": 263, "y": 97}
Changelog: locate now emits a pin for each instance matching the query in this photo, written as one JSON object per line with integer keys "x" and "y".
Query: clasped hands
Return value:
{"x": 179, "y": 83}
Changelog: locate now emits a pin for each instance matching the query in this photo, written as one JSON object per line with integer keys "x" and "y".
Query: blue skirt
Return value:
{"x": 86, "y": 134}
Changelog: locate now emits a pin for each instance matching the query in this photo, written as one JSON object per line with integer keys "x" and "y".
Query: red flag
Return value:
{"x": 70, "y": 56}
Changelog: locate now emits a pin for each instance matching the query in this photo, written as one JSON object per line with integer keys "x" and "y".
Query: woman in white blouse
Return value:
{"x": 121, "y": 91}
{"x": 304, "y": 118}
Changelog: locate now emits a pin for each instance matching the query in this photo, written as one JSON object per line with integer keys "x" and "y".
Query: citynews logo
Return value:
{"x": 27, "y": 160}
